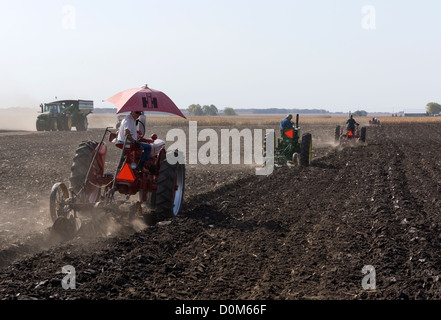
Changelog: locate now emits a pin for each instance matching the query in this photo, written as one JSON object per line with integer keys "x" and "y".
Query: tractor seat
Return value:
{"x": 113, "y": 136}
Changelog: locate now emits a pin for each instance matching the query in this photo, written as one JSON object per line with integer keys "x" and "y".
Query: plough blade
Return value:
{"x": 67, "y": 227}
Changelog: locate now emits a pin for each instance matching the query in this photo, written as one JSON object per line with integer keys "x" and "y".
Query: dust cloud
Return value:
{"x": 24, "y": 119}
{"x": 23, "y": 231}
{"x": 18, "y": 221}
{"x": 323, "y": 142}
{"x": 102, "y": 120}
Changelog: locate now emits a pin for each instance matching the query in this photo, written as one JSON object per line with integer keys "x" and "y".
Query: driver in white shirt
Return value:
{"x": 128, "y": 129}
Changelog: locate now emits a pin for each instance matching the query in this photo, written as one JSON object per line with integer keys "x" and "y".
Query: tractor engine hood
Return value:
{"x": 43, "y": 116}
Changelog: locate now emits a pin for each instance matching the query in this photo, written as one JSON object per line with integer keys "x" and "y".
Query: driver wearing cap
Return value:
{"x": 286, "y": 123}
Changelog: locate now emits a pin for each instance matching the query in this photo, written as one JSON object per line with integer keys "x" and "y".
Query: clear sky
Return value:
{"x": 327, "y": 54}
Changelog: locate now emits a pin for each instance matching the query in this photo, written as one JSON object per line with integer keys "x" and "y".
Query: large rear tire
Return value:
{"x": 82, "y": 124}
{"x": 68, "y": 123}
{"x": 60, "y": 124}
{"x": 81, "y": 162}
{"x": 53, "y": 125}
{"x": 337, "y": 134}
{"x": 39, "y": 126}
{"x": 363, "y": 135}
{"x": 306, "y": 150}
{"x": 170, "y": 189}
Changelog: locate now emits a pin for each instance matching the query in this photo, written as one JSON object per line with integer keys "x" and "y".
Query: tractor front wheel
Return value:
{"x": 58, "y": 206}
{"x": 65, "y": 222}
{"x": 296, "y": 158}
{"x": 39, "y": 126}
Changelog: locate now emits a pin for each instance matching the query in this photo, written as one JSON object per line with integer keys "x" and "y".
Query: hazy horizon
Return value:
{"x": 336, "y": 55}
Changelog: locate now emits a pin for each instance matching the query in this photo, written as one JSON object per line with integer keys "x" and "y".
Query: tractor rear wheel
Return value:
{"x": 82, "y": 124}
{"x": 86, "y": 123}
{"x": 53, "y": 125}
{"x": 169, "y": 194}
{"x": 67, "y": 123}
{"x": 81, "y": 162}
{"x": 306, "y": 150}
{"x": 363, "y": 135}
{"x": 60, "y": 124}
{"x": 337, "y": 134}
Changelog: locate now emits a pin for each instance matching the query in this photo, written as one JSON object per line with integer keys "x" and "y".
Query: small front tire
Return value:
{"x": 58, "y": 206}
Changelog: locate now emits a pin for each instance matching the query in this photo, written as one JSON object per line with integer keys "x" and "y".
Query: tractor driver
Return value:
{"x": 351, "y": 123}
{"x": 286, "y": 123}
{"x": 128, "y": 129}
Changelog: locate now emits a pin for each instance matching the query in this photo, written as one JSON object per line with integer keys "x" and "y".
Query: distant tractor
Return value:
{"x": 290, "y": 148}
{"x": 374, "y": 122}
{"x": 348, "y": 136}
{"x": 119, "y": 120}
{"x": 63, "y": 115}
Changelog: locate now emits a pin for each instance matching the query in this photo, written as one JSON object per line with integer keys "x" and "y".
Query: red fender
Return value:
{"x": 101, "y": 158}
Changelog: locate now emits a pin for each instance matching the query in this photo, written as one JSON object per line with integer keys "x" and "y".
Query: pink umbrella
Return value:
{"x": 144, "y": 99}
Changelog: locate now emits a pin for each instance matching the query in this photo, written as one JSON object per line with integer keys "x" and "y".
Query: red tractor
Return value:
{"x": 349, "y": 136}
{"x": 160, "y": 186}
{"x": 374, "y": 122}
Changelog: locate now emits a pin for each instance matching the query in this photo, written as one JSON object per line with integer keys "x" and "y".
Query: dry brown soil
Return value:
{"x": 300, "y": 233}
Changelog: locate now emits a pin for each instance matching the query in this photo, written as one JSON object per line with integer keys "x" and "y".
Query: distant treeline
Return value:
{"x": 282, "y": 111}
{"x": 245, "y": 111}
{"x": 104, "y": 110}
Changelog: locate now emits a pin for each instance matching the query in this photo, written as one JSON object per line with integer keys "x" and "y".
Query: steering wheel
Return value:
{"x": 141, "y": 134}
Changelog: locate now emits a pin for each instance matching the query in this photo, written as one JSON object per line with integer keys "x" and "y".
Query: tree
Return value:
{"x": 210, "y": 110}
{"x": 433, "y": 108}
{"x": 207, "y": 110}
{"x": 360, "y": 113}
{"x": 195, "y": 109}
{"x": 230, "y": 112}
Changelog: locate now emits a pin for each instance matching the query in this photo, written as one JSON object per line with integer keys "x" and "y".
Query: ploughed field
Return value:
{"x": 300, "y": 233}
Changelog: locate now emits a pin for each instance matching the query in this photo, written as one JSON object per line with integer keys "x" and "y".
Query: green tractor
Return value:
{"x": 290, "y": 148}
{"x": 63, "y": 115}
